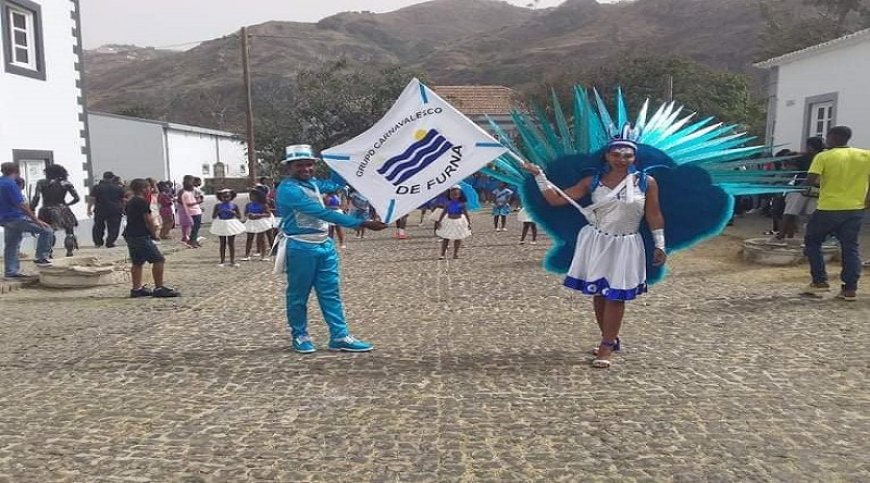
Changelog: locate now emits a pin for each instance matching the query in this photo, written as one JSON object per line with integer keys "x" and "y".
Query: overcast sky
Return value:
{"x": 162, "y": 23}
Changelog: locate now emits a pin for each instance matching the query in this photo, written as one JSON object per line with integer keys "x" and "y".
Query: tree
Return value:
{"x": 840, "y": 10}
{"x": 793, "y": 25}
{"x": 323, "y": 106}
{"x": 708, "y": 92}
{"x": 277, "y": 123}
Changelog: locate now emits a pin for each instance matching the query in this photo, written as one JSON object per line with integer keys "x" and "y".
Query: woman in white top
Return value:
{"x": 609, "y": 259}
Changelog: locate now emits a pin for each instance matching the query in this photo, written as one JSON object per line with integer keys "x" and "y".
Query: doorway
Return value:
{"x": 31, "y": 165}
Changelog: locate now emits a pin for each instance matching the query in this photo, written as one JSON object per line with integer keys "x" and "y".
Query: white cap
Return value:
{"x": 298, "y": 152}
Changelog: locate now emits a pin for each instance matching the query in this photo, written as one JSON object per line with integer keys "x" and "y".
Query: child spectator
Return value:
{"x": 140, "y": 234}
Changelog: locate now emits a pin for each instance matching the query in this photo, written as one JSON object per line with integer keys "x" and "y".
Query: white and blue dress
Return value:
{"x": 609, "y": 258}
{"x": 502, "y": 205}
{"x": 226, "y": 223}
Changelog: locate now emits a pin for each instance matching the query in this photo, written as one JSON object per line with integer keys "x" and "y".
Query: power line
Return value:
{"x": 196, "y": 42}
{"x": 278, "y": 37}
{"x": 163, "y": 47}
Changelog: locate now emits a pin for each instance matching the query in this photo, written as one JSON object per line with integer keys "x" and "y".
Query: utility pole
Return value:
{"x": 249, "y": 108}
{"x": 669, "y": 88}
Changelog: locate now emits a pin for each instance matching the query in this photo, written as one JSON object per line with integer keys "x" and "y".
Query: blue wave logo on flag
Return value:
{"x": 430, "y": 146}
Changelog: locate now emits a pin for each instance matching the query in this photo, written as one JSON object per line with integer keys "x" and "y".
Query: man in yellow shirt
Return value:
{"x": 843, "y": 174}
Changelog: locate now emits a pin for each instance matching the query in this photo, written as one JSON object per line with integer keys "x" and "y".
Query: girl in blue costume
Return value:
{"x": 361, "y": 209}
{"x": 502, "y": 207}
{"x": 226, "y": 225}
{"x": 454, "y": 223}
{"x": 334, "y": 202}
{"x": 609, "y": 258}
{"x": 258, "y": 224}
{"x": 437, "y": 206}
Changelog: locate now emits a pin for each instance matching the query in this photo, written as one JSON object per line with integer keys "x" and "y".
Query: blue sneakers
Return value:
{"x": 303, "y": 345}
{"x": 350, "y": 344}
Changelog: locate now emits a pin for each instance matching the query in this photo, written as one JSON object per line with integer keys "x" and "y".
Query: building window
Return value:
{"x": 820, "y": 115}
{"x": 206, "y": 169}
{"x": 821, "y": 118}
{"x": 242, "y": 168}
{"x": 22, "y": 38}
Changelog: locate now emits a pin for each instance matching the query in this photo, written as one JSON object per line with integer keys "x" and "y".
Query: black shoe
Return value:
{"x": 110, "y": 245}
{"x": 42, "y": 262}
{"x": 164, "y": 293}
{"x": 142, "y": 291}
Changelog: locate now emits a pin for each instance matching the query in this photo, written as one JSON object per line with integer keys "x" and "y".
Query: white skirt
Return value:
{"x": 231, "y": 227}
{"x": 259, "y": 225}
{"x": 610, "y": 266}
{"x": 436, "y": 214}
{"x": 523, "y": 216}
{"x": 454, "y": 229}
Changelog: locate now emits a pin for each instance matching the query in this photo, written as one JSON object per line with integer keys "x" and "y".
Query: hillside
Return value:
{"x": 453, "y": 41}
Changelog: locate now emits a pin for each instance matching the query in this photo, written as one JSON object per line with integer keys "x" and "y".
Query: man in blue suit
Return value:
{"x": 311, "y": 258}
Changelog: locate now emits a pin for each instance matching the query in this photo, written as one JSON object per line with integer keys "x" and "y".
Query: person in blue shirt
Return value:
{"x": 311, "y": 259}
{"x": 17, "y": 218}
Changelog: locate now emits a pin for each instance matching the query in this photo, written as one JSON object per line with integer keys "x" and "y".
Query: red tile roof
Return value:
{"x": 477, "y": 100}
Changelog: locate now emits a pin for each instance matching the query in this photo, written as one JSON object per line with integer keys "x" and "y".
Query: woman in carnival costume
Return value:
{"x": 616, "y": 246}
{"x": 55, "y": 209}
{"x": 609, "y": 260}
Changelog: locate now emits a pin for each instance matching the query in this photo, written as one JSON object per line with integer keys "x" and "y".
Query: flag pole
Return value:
{"x": 552, "y": 186}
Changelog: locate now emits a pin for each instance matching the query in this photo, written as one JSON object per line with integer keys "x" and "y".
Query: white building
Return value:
{"x": 42, "y": 118}
{"x": 140, "y": 148}
{"x": 813, "y": 89}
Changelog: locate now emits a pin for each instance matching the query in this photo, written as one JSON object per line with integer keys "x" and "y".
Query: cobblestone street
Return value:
{"x": 481, "y": 373}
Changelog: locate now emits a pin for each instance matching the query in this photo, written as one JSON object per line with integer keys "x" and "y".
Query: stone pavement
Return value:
{"x": 481, "y": 373}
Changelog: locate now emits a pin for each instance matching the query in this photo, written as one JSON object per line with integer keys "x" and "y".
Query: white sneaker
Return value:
{"x": 534, "y": 243}
{"x": 343, "y": 246}
{"x": 246, "y": 259}
{"x": 235, "y": 265}
{"x": 222, "y": 265}
{"x": 265, "y": 259}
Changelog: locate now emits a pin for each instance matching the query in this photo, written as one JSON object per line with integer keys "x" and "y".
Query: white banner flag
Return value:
{"x": 420, "y": 148}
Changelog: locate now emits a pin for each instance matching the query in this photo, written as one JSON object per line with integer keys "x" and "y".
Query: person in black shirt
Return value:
{"x": 106, "y": 204}
{"x": 52, "y": 191}
{"x": 140, "y": 234}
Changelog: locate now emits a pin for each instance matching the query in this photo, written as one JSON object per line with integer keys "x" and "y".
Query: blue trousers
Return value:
{"x": 314, "y": 266}
{"x": 13, "y": 231}
{"x": 845, "y": 225}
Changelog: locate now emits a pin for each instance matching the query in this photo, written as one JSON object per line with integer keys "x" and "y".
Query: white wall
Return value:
{"x": 137, "y": 148}
{"x": 43, "y": 115}
{"x": 189, "y": 151}
{"x": 128, "y": 147}
{"x": 845, "y": 71}
{"x": 233, "y": 154}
